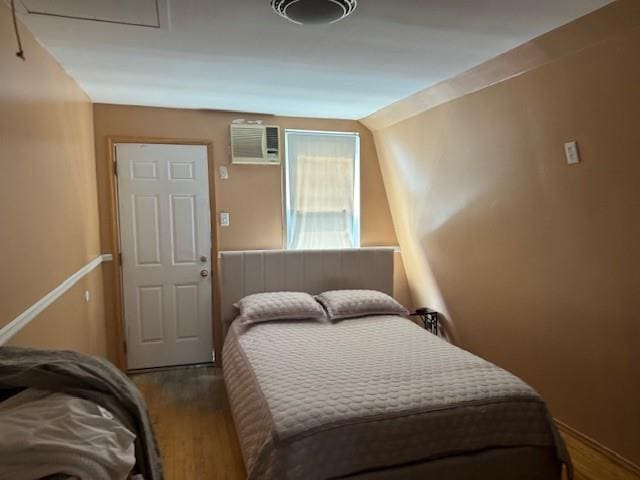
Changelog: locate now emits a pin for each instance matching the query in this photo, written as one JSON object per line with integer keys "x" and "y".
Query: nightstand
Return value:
{"x": 429, "y": 319}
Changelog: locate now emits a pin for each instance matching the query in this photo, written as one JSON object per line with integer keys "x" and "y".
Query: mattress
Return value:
{"x": 316, "y": 400}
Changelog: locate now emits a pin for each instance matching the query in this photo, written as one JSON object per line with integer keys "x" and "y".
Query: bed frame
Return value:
{"x": 314, "y": 271}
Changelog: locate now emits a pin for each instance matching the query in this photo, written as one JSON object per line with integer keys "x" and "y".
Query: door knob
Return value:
{"x": 204, "y": 273}
{"x": 203, "y": 258}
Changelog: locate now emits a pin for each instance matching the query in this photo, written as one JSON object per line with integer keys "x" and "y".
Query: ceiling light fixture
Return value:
{"x": 314, "y": 12}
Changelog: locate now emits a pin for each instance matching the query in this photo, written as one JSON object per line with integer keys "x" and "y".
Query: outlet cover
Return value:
{"x": 571, "y": 152}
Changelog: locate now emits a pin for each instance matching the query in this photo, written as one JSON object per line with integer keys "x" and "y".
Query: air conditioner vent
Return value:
{"x": 273, "y": 139}
{"x": 246, "y": 142}
{"x": 255, "y": 144}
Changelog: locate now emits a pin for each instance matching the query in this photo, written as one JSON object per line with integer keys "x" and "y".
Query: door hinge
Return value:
{"x": 120, "y": 258}
{"x": 124, "y": 344}
{"x": 115, "y": 168}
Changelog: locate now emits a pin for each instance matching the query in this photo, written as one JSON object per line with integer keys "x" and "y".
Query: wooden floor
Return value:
{"x": 589, "y": 464}
{"x": 193, "y": 423}
{"x": 197, "y": 439}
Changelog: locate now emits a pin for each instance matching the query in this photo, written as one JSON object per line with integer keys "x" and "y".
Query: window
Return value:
{"x": 322, "y": 178}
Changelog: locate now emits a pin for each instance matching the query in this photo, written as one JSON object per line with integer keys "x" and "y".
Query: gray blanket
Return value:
{"x": 90, "y": 378}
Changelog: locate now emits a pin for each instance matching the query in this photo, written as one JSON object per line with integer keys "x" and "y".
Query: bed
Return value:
{"x": 374, "y": 397}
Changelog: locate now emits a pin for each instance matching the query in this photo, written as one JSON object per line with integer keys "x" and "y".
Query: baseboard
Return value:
{"x": 598, "y": 447}
{"x": 169, "y": 368}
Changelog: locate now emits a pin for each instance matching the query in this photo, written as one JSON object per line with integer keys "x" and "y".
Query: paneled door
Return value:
{"x": 165, "y": 237}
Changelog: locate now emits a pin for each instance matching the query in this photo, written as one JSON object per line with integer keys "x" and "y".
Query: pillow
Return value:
{"x": 341, "y": 304}
{"x": 263, "y": 307}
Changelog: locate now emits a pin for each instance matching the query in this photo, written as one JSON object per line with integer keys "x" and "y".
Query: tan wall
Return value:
{"x": 535, "y": 262}
{"x": 252, "y": 194}
{"x": 71, "y": 323}
{"x": 48, "y": 199}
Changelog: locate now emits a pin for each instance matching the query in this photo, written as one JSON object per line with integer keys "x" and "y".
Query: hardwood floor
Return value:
{"x": 197, "y": 438}
{"x": 192, "y": 420}
{"x": 589, "y": 464}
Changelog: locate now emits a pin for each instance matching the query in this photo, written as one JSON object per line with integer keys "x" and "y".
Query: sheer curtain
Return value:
{"x": 323, "y": 205}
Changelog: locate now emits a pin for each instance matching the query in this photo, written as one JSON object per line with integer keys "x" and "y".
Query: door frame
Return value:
{"x": 118, "y": 337}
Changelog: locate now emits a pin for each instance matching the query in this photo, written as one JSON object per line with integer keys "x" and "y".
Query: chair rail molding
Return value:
{"x": 18, "y": 323}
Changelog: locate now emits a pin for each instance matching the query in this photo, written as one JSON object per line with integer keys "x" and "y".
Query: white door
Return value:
{"x": 165, "y": 236}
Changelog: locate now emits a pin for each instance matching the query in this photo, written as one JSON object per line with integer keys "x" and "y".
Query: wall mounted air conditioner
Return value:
{"x": 255, "y": 144}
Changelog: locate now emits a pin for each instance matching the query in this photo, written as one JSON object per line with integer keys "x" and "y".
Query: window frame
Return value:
{"x": 286, "y": 204}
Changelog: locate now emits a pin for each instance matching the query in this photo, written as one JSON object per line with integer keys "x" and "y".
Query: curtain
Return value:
{"x": 321, "y": 190}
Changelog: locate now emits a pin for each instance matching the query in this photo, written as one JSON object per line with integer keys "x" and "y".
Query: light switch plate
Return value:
{"x": 571, "y": 152}
{"x": 224, "y": 172}
{"x": 224, "y": 219}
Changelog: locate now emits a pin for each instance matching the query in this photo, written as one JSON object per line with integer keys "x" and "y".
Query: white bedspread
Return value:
{"x": 322, "y": 400}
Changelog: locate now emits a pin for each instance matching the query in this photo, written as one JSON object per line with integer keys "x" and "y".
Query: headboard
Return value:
{"x": 312, "y": 271}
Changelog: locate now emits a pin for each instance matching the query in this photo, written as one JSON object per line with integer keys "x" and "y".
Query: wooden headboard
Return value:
{"x": 312, "y": 271}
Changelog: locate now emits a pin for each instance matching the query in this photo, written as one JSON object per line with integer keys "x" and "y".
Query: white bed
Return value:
{"x": 373, "y": 397}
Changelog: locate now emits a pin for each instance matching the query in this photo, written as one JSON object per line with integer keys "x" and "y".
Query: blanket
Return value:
{"x": 90, "y": 378}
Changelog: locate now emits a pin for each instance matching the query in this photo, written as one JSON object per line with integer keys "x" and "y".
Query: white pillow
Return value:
{"x": 341, "y": 304}
{"x": 264, "y": 307}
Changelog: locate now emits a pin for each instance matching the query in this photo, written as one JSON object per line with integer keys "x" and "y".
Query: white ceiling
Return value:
{"x": 239, "y": 55}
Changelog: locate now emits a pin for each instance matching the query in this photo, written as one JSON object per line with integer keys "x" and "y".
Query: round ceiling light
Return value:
{"x": 314, "y": 12}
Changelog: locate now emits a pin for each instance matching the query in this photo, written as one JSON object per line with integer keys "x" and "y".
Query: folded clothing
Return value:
{"x": 44, "y": 433}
